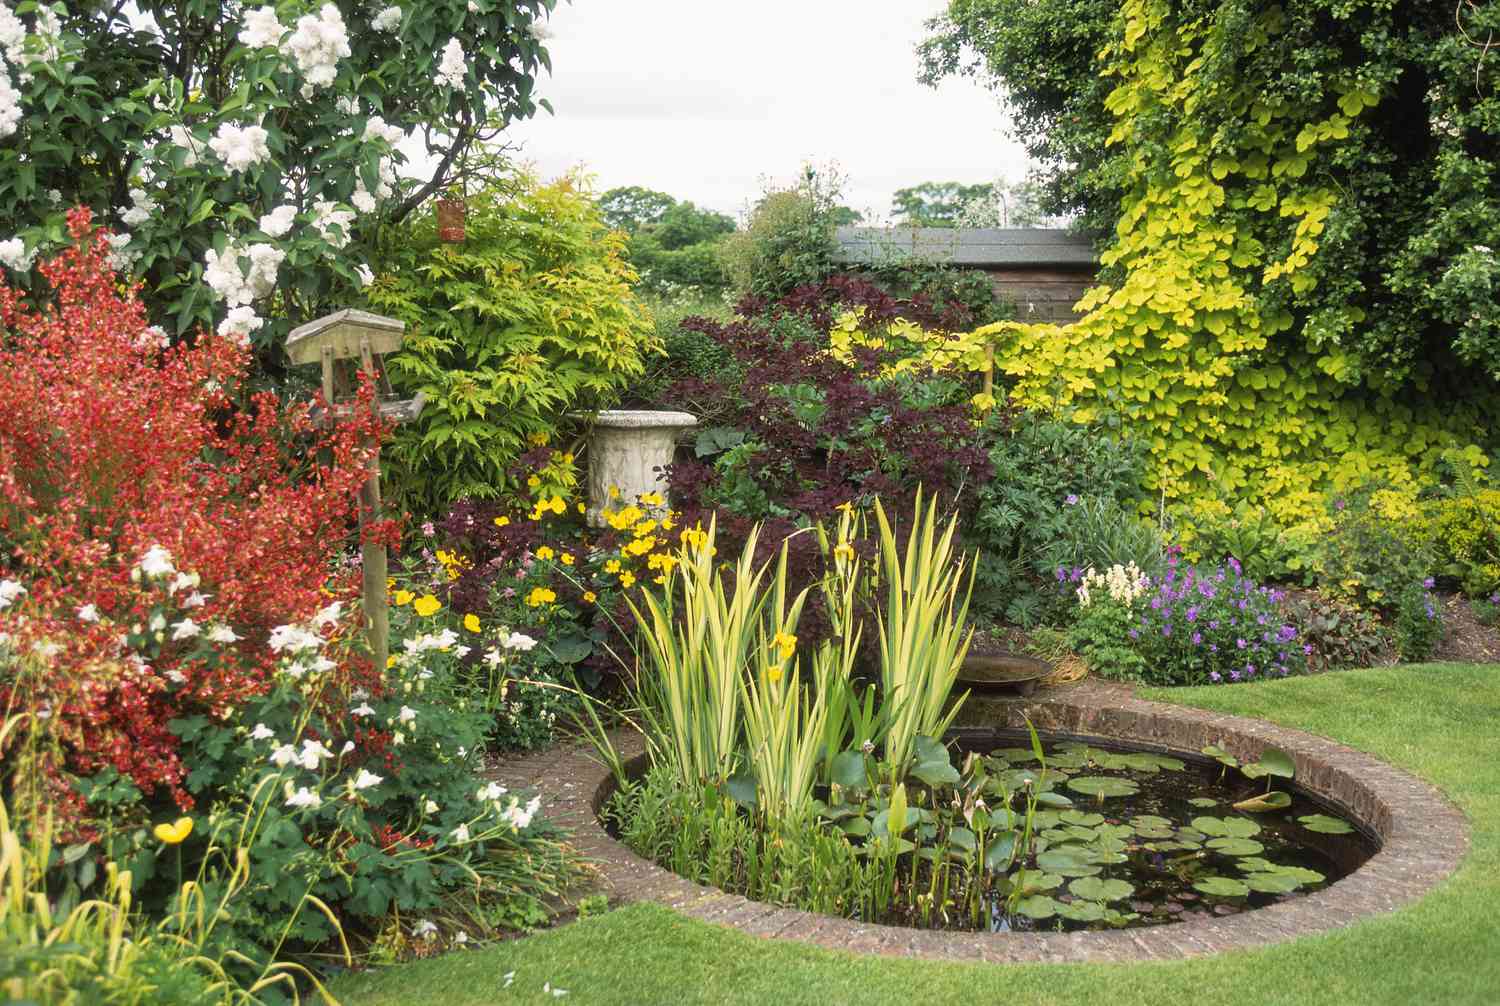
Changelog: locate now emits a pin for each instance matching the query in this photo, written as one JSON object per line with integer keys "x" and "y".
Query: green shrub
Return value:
{"x": 1465, "y": 532}
{"x": 1026, "y": 526}
{"x": 788, "y": 241}
{"x": 530, "y": 317}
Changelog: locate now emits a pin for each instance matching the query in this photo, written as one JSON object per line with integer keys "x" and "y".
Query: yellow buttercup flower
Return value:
{"x": 567, "y": 459}
{"x": 589, "y": 597}
{"x": 404, "y": 597}
{"x": 559, "y": 505}
{"x": 566, "y": 558}
{"x": 390, "y": 661}
{"x": 427, "y": 605}
{"x": 614, "y": 492}
{"x": 533, "y": 481}
{"x": 582, "y": 508}
{"x": 173, "y": 833}
{"x": 545, "y": 552}
{"x": 540, "y": 596}
{"x": 627, "y": 578}
{"x": 612, "y": 566}
{"x": 502, "y": 521}
{"x": 471, "y": 622}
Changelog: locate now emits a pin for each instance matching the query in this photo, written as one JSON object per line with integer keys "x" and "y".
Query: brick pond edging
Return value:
{"x": 1423, "y": 837}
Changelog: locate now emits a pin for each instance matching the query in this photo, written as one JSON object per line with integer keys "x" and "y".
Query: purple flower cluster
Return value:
{"x": 1213, "y": 624}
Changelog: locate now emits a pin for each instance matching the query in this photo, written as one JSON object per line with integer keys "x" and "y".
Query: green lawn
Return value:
{"x": 1439, "y": 721}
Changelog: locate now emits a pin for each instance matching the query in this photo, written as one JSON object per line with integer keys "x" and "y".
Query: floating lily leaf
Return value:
{"x": 1254, "y": 863}
{"x": 1325, "y": 825}
{"x": 1081, "y": 817}
{"x": 1081, "y": 911}
{"x": 1103, "y": 786}
{"x": 838, "y": 812}
{"x": 1302, "y": 874}
{"x": 1274, "y": 800}
{"x": 1016, "y": 756}
{"x": 1222, "y": 887}
{"x": 1050, "y": 799}
{"x": 849, "y": 770}
{"x": 1232, "y": 827}
{"x": 1037, "y": 906}
{"x": 1272, "y": 883}
{"x": 1095, "y": 889}
{"x": 1150, "y": 821}
{"x": 1236, "y": 846}
{"x": 1034, "y": 881}
{"x": 1203, "y": 801}
{"x": 1069, "y": 861}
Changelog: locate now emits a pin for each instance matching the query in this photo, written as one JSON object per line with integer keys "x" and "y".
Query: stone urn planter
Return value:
{"x": 627, "y": 449}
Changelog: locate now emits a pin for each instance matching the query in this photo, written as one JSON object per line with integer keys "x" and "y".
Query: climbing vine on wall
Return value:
{"x": 1216, "y": 337}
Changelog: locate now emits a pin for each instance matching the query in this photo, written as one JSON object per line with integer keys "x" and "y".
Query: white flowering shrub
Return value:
{"x": 245, "y": 154}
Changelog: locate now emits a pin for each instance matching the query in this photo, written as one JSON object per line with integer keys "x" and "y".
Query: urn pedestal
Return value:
{"x": 627, "y": 450}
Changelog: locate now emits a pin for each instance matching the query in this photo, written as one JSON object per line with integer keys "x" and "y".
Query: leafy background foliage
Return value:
{"x": 532, "y": 316}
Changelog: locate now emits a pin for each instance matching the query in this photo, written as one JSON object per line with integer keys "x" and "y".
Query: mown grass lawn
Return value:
{"x": 1440, "y": 721}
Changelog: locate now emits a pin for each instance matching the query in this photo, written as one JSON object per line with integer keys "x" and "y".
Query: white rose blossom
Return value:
{"x": 276, "y": 223}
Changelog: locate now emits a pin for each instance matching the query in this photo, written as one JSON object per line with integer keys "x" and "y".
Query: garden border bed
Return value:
{"x": 1422, "y": 839}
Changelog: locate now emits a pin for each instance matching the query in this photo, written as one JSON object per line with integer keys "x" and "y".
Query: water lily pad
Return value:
{"x": 1325, "y": 825}
{"x": 1095, "y": 889}
{"x": 1203, "y": 801}
{"x": 1236, "y": 846}
{"x": 1067, "y": 859}
{"x": 1149, "y": 821}
{"x": 1232, "y": 827}
{"x": 1103, "y": 786}
{"x": 1081, "y": 911}
{"x": 1274, "y": 800}
{"x": 1037, "y": 906}
{"x": 964, "y": 839}
{"x": 1272, "y": 883}
{"x": 1221, "y": 756}
{"x": 1050, "y": 799}
{"x": 1081, "y": 817}
{"x": 1034, "y": 881}
{"x": 1016, "y": 756}
{"x": 1222, "y": 887}
{"x": 858, "y": 827}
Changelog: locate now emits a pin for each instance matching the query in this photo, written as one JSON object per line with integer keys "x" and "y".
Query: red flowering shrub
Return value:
{"x": 111, "y": 445}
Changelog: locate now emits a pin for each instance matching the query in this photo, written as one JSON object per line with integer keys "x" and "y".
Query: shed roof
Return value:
{"x": 987, "y": 246}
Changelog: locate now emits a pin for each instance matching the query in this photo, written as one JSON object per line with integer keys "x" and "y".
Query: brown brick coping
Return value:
{"x": 1423, "y": 837}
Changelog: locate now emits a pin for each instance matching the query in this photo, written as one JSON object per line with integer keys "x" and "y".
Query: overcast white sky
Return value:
{"x": 703, "y": 99}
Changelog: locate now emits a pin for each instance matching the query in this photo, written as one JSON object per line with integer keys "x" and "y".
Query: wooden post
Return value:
{"x": 373, "y": 561}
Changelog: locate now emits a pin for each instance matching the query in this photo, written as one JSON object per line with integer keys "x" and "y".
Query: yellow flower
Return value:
{"x": 627, "y": 578}
{"x": 533, "y": 481}
{"x": 644, "y": 528}
{"x": 567, "y": 558}
{"x": 540, "y": 596}
{"x": 502, "y": 521}
{"x": 390, "y": 582}
{"x": 614, "y": 492}
{"x": 559, "y": 506}
{"x": 613, "y": 566}
{"x": 589, "y": 597}
{"x": 404, "y": 597}
{"x": 173, "y": 833}
{"x": 537, "y": 440}
{"x": 773, "y": 673}
{"x": 567, "y": 459}
{"x": 390, "y": 661}
{"x": 545, "y": 552}
{"x": 582, "y": 508}
{"x": 427, "y": 605}
{"x": 844, "y": 550}
{"x": 471, "y": 622}
{"x": 652, "y": 499}
{"x": 786, "y": 642}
